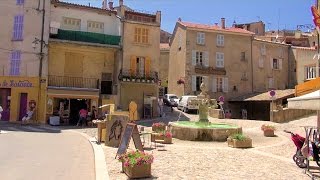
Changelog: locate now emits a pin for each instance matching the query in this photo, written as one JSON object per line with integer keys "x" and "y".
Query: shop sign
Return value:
{"x": 15, "y": 83}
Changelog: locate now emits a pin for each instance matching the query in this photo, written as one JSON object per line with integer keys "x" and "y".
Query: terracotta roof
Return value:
{"x": 265, "y": 96}
{"x": 58, "y": 2}
{"x": 215, "y": 27}
{"x": 164, "y": 46}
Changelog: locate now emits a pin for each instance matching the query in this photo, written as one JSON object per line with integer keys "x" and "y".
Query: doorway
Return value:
{"x": 5, "y": 96}
{"x": 75, "y": 106}
{"x": 23, "y": 105}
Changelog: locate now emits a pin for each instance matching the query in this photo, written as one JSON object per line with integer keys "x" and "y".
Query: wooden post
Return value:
{"x": 318, "y": 119}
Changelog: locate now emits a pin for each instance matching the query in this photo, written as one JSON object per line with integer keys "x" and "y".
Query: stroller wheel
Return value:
{"x": 300, "y": 162}
{"x": 318, "y": 163}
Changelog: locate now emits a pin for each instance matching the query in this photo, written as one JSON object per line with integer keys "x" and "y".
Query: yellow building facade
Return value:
{"x": 16, "y": 96}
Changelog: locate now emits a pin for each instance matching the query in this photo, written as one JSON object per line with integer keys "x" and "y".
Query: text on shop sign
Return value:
{"x": 13, "y": 83}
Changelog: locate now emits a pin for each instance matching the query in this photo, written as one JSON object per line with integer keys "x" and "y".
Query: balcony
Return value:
{"x": 209, "y": 70}
{"x": 73, "y": 82}
{"x": 127, "y": 75}
{"x": 86, "y": 37}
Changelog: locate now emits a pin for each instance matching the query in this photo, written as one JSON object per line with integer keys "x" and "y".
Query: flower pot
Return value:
{"x": 268, "y": 133}
{"x": 230, "y": 142}
{"x": 143, "y": 80}
{"x": 156, "y": 136}
{"x": 133, "y": 80}
{"x": 167, "y": 140}
{"x": 138, "y": 80}
{"x": 124, "y": 79}
{"x": 142, "y": 171}
{"x": 148, "y": 81}
{"x": 160, "y": 128}
{"x": 247, "y": 143}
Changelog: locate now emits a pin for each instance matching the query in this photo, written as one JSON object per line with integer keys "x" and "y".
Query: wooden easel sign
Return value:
{"x": 131, "y": 130}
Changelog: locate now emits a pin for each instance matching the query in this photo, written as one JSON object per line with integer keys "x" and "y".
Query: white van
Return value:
{"x": 185, "y": 103}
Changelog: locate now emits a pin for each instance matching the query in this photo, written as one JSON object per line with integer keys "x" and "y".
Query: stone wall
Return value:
{"x": 285, "y": 115}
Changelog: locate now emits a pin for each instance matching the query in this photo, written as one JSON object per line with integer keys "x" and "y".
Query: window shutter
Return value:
{"x": 225, "y": 85}
{"x": 205, "y": 79}
{"x": 214, "y": 84}
{"x": 206, "y": 59}
{"x": 280, "y": 63}
{"x": 203, "y": 37}
{"x": 193, "y": 58}
{"x": 222, "y": 40}
{"x": 217, "y": 58}
{"x": 198, "y": 38}
{"x": 261, "y": 62}
{"x": 194, "y": 83}
{"x": 133, "y": 67}
{"x": 271, "y": 63}
{"x": 147, "y": 66}
{"x": 222, "y": 59}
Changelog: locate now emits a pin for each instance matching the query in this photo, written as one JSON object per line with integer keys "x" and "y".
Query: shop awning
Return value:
{"x": 309, "y": 101}
{"x": 265, "y": 96}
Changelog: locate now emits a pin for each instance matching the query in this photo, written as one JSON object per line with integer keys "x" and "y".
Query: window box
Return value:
{"x": 142, "y": 171}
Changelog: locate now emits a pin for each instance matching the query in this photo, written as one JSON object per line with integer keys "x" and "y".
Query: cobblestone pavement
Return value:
{"x": 271, "y": 158}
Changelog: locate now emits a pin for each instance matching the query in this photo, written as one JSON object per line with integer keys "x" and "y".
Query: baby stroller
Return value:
{"x": 298, "y": 158}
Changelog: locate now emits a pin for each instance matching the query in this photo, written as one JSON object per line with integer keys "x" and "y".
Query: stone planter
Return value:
{"x": 268, "y": 133}
{"x": 167, "y": 140}
{"x": 157, "y": 129}
{"x": 247, "y": 143}
{"x": 156, "y": 136}
{"x": 142, "y": 171}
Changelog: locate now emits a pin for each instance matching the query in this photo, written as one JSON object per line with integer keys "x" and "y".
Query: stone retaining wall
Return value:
{"x": 285, "y": 115}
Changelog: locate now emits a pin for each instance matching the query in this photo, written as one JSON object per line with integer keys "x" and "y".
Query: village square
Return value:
{"x": 101, "y": 91}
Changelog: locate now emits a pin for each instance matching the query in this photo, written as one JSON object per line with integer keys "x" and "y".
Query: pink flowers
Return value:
{"x": 157, "y": 127}
{"x": 136, "y": 158}
{"x": 180, "y": 81}
{"x": 167, "y": 134}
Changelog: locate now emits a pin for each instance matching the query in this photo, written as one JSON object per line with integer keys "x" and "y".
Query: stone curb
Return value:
{"x": 101, "y": 171}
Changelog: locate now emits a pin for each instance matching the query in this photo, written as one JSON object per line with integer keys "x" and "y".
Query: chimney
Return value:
{"x": 234, "y": 24}
{"x": 297, "y": 34}
{"x": 179, "y": 19}
{"x": 104, "y": 4}
{"x": 223, "y": 23}
{"x": 110, "y": 4}
{"x": 120, "y": 2}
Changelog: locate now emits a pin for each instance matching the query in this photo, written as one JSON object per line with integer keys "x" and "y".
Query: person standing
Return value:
{"x": 160, "y": 105}
{"x": 82, "y": 116}
{"x": 93, "y": 113}
{"x": 0, "y": 112}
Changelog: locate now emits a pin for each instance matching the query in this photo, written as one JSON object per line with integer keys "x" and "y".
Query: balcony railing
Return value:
{"x": 127, "y": 75}
{"x": 209, "y": 70}
{"x": 86, "y": 37}
{"x": 73, "y": 82}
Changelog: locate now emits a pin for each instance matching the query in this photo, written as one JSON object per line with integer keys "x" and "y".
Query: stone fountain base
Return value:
{"x": 203, "y": 134}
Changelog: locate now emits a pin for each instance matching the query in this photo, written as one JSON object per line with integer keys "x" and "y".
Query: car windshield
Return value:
{"x": 174, "y": 97}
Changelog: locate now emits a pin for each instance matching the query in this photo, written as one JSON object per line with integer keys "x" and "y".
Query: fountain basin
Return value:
{"x": 195, "y": 131}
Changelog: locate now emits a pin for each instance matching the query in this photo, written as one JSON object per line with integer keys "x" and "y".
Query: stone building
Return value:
{"x": 258, "y": 28}
{"x": 139, "y": 68}
{"x": 23, "y": 57}
{"x": 218, "y": 55}
{"x": 164, "y": 67}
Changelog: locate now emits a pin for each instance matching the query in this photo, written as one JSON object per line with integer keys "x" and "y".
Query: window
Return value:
{"x": 15, "y": 63}
{"x": 106, "y": 87}
{"x": 18, "y": 27}
{"x": 243, "y": 56}
{"x": 310, "y": 72}
{"x": 219, "y": 84}
{"x": 270, "y": 80}
{"x": 220, "y": 40}
{"x": 219, "y": 60}
{"x": 141, "y": 35}
{"x": 261, "y": 62}
{"x": 200, "y": 38}
{"x": 198, "y": 83}
{"x": 97, "y": 27}
{"x": 140, "y": 66}
{"x": 199, "y": 58}
{"x": 263, "y": 50}
{"x": 72, "y": 24}
{"x": 256, "y": 30}
{"x": 276, "y": 64}
{"x": 20, "y": 2}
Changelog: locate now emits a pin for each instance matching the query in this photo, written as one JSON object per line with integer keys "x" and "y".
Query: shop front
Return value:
{"x": 66, "y": 104}
{"x": 17, "y": 96}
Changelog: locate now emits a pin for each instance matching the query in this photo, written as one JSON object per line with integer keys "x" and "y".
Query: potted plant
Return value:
{"x": 167, "y": 137}
{"x": 136, "y": 164}
{"x": 158, "y": 127}
{"x": 268, "y": 130}
{"x": 180, "y": 81}
{"x": 239, "y": 141}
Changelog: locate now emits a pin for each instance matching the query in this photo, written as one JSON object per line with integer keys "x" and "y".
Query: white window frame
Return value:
{"x": 220, "y": 40}
{"x": 73, "y": 24}
{"x": 310, "y": 72}
{"x": 201, "y": 38}
{"x": 96, "y": 27}
{"x": 199, "y": 58}
{"x": 220, "y": 60}
{"x": 276, "y": 65}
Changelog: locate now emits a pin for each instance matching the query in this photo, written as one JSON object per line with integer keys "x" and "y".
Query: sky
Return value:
{"x": 276, "y": 14}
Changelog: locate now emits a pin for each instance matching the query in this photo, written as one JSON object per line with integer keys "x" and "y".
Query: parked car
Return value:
{"x": 187, "y": 103}
{"x": 171, "y": 100}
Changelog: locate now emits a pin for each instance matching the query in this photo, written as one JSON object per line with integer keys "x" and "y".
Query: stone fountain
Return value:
{"x": 202, "y": 129}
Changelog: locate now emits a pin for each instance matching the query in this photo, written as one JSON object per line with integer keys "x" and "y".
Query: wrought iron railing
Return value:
{"x": 128, "y": 75}
{"x": 73, "y": 82}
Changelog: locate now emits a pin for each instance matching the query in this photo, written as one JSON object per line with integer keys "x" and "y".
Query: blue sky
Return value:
{"x": 285, "y": 14}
